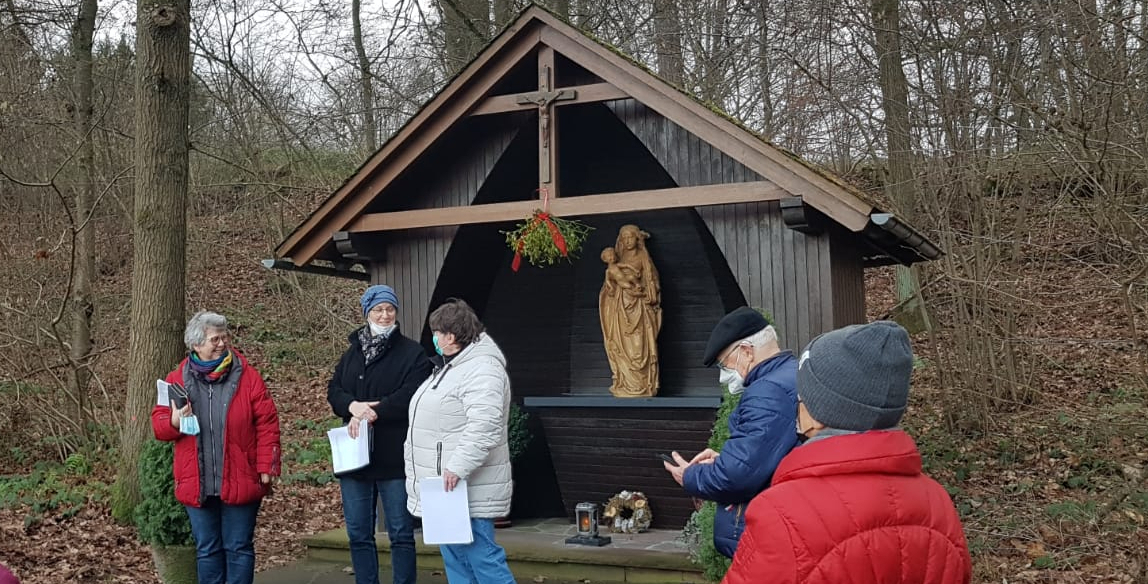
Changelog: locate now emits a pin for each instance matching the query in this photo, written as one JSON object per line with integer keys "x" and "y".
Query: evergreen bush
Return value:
{"x": 699, "y": 532}
{"x": 518, "y": 432}
{"x": 160, "y": 519}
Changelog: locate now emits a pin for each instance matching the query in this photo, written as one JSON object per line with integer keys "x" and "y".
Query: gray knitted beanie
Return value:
{"x": 857, "y": 377}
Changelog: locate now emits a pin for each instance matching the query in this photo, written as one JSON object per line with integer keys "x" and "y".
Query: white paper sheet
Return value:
{"x": 348, "y": 453}
{"x": 446, "y": 516}
{"x": 161, "y": 395}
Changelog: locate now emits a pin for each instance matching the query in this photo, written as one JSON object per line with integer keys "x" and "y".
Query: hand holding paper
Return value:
{"x": 349, "y": 452}
{"x": 446, "y": 514}
{"x": 449, "y": 480}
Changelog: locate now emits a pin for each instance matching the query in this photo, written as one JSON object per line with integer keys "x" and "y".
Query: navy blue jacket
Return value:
{"x": 762, "y": 430}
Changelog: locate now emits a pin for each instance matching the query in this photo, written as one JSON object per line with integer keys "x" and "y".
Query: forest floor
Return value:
{"x": 1053, "y": 491}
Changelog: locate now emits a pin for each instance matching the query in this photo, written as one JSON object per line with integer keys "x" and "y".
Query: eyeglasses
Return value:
{"x": 383, "y": 308}
{"x": 727, "y": 354}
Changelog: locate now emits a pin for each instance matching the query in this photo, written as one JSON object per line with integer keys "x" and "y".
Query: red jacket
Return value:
{"x": 853, "y": 508}
{"x": 250, "y": 438}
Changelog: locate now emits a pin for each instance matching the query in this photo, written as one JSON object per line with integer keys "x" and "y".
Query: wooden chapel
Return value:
{"x": 733, "y": 220}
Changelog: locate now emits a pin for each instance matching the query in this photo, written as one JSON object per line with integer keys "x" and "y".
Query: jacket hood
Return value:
{"x": 483, "y": 346}
{"x": 888, "y": 452}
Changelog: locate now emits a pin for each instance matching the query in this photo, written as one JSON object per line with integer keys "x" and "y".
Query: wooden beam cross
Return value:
{"x": 544, "y": 99}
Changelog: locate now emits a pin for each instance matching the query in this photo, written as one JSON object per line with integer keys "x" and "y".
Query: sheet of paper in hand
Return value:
{"x": 446, "y": 516}
{"x": 348, "y": 454}
{"x": 161, "y": 395}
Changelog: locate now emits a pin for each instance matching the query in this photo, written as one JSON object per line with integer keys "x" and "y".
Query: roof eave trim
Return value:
{"x": 899, "y": 240}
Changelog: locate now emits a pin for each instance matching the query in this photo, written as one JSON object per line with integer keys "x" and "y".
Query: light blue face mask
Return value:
{"x": 189, "y": 425}
{"x": 437, "y": 349}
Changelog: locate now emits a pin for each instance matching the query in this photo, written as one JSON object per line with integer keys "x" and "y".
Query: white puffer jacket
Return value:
{"x": 458, "y": 423}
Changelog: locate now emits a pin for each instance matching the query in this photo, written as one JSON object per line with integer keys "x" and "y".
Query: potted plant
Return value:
{"x": 518, "y": 439}
{"x": 160, "y": 520}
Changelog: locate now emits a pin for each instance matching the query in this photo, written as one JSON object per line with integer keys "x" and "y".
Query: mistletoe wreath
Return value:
{"x": 543, "y": 239}
{"x": 628, "y": 512}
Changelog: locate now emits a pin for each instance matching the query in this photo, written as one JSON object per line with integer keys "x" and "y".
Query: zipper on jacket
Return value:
{"x": 210, "y": 426}
{"x": 411, "y": 426}
{"x": 438, "y": 459}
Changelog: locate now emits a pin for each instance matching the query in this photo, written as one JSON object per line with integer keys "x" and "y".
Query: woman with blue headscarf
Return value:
{"x": 374, "y": 381}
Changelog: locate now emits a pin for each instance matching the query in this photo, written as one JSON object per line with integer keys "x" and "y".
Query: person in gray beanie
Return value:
{"x": 854, "y": 379}
{"x": 853, "y": 499}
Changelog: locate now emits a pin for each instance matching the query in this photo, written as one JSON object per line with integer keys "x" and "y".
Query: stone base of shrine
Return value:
{"x": 537, "y": 551}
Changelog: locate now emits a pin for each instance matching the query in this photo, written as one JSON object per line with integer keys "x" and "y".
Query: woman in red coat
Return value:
{"x": 851, "y": 504}
{"x": 226, "y": 433}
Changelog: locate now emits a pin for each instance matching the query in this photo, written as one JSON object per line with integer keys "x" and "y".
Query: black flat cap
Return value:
{"x": 733, "y": 327}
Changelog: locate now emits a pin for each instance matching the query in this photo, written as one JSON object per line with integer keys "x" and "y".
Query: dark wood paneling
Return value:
{"x": 687, "y": 159}
{"x": 528, "y": 314}
{"x": 776, "y": 268}
{"x": 522, "y": 78}
{"x": 599, "y": 452}
{"x": 569, "y": 73}
{"x": 691, "y": 305}
{"x": 413, "y": 258}
{"x": 546, "y": 319}
{"x": 848, "y": 279}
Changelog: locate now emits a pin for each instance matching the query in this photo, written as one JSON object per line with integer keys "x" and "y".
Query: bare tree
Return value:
{"x": 466, "y": 24}
{"x": 366, "y": 85}
{"x": 82, "y": 305}
{"x": 668, "y": 38}
{"x": 163, "y": 79}
{"x": 899, "y": 182}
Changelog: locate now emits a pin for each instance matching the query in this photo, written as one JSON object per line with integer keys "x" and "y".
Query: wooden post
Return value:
{"x": 543, "y": 99}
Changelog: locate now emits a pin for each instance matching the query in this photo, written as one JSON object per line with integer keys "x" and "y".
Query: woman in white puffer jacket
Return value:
{"x": 458, "y": 421}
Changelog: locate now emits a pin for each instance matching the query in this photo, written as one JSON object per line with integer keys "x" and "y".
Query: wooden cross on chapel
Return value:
{"x": 547, "y": 123}
{"x": 545, "y": 99}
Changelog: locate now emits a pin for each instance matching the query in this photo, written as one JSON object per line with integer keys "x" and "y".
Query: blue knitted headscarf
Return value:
{"x": 376, "y": 295}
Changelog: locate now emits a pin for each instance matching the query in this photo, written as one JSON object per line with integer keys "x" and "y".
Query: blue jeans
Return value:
{"x": 480, "y": 562}
{"x": 359, "y": 510}
{"x": 224, "y": 541}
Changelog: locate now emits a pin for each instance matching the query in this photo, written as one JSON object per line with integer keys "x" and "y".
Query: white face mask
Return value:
{"x": 377, "y": 330}
{"x": 732, "y": 380}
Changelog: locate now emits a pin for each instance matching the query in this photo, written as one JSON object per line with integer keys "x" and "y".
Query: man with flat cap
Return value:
{"x": 852, "y": 504}
{"x": 761, "y": 429}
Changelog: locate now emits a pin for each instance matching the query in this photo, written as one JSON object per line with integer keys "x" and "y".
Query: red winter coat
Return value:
{"x": 856, "y": 509}
{"x": 250, "y": 439}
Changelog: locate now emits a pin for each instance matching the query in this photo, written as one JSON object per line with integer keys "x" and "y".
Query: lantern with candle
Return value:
{"x": 586, "y": 519}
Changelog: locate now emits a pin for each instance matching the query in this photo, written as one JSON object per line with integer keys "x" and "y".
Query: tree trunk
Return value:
{"x": 765, "y": 69}
{"x": 466, "y": 24}
{"x": 503, "y": 13}
{"x": 899, "y": 181}
{"x": 84, "y": 268}
{"x": 163, "y": 73}
{"x": 366, "y": 87}
{"x": 562, "y": 7}
{"x": 668, "y": 41}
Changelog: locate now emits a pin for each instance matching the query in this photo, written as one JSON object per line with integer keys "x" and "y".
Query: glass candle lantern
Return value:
{"x": 586, "y": 515}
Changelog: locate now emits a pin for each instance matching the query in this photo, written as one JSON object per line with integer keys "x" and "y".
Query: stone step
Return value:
{"x": 536, "y": 550}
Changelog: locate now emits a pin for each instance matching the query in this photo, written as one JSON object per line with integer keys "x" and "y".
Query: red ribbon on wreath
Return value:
{"x": 540, "y": 218}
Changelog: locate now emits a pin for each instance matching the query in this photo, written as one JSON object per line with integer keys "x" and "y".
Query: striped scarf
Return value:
{"x": 211, "y": 371}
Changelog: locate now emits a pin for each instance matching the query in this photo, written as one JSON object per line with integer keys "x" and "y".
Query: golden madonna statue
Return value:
{"x": 630, "y": 308}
